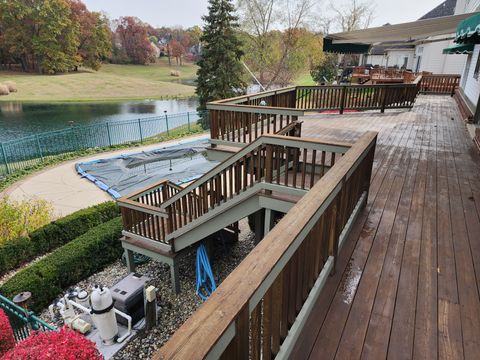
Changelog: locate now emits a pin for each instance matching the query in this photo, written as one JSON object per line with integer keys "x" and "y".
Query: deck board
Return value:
{"x": 407, "y": 283}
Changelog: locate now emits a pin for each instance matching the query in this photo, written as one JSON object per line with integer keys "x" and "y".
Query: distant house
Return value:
{"x": 393, "y": 54}
{"x": 421, "y": 54}
{"x": 429, "y": 52}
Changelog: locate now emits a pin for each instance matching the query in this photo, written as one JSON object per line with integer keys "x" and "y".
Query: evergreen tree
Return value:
{"x": 220, "y": 70}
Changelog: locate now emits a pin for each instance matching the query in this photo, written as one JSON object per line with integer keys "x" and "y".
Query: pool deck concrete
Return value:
{"x": 65, "y": 189}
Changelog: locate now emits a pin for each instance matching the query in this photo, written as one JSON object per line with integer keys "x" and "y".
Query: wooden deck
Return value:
{"x": 408, "y": 278}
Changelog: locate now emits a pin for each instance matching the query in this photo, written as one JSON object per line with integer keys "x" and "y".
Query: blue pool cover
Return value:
{"x": 125, "y": 174}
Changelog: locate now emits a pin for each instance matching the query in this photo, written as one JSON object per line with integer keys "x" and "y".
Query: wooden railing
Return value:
{"x": 271, "y": 159}
{"x": 142, "y": 215}
{"x": 241, "y": 120}
{"x": 440, "y": 84}
{"x": 157, "y": 212}
{"x": 242, "y": 124}
{"x": 259, "y": 308}
{"x": 357, "y": 97}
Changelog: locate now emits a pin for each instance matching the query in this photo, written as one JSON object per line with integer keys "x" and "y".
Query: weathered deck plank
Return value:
{"x": 406, "y": 284}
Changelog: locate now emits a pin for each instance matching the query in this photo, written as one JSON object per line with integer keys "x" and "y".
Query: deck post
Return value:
{"x": 268, "y": 222}
{"x": 259, "y": 225}
{"x": 384, "y": 99}
{"x": 175, "y": 276}
{"x": 130, "y": 260}
{"x": 342, "y": 99}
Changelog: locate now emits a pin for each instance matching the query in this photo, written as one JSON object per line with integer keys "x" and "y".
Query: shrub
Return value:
{"x": 65, "y": 344}
{"x": 17, "y": 251}
{"x": 19, "y": 218}
{"x": 67, "y": 265}
{"x": 4, "y": 90}
{"x": 12, "y": 87}
{"x": 7, "y": 341}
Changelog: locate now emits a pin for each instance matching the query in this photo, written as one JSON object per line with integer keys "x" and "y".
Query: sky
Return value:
{"x": 189, "y": 12}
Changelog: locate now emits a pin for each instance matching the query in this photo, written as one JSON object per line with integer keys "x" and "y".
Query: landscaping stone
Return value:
{"x": 174, "y": 309}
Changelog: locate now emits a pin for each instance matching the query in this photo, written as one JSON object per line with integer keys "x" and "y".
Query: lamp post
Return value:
{"x": 166, "y": 122}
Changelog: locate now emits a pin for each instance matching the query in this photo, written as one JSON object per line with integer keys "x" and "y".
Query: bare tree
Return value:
{"x": 262, "y": 20}
{"x": 354, "y": 15}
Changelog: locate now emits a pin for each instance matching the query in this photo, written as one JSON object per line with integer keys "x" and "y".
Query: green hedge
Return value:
{"x": 16, "y": 252}
{"x": 67, "y": 265}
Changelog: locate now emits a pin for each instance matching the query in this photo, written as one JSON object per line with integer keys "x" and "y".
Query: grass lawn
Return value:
{"x": 111, "y": 82}
{"x": 305, "y": 79}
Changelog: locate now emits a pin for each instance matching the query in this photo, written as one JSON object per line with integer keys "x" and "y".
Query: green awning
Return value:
{"x": 468, "y": 30}
{"x": 348, "y": 48}
{"x": 459, "y": 49}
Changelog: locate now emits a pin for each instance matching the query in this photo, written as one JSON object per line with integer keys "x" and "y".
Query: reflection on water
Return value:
{"x": 18, "y": 120}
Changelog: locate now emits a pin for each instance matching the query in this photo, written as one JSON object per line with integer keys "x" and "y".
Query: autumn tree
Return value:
{"x": 94, "y": 36}
{"x": 52, "y": 36}
{"x": 134, "y": 40}
{"x": 40, "y": 34}
{"x": 220, "y": 70}
{"x": 177, "y": 50}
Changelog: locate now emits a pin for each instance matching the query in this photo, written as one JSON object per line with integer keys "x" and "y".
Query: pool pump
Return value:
{"x": 99, "y": 306}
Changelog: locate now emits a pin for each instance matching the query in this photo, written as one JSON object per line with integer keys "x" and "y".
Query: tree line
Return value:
{"x": 57, "y": 36}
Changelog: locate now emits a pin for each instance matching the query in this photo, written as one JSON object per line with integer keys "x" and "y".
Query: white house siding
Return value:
{"x": 396, "y": 58}
{"x": 434, "y": 61}
{"x": 379, "y": 60}
{"x": 472, "y": 85}
{"x": 466, "y": 6}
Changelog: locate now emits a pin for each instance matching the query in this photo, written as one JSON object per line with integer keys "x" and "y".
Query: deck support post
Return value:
{"x": 130, "y": 260}
{"x": 259, "y": 225}
{"x": 268, "y": 221}
{"x": 175, "y": 276}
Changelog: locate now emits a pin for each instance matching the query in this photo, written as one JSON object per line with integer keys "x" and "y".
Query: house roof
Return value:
{"x": 409, "y": 31}
{"x": 446, "y": 8}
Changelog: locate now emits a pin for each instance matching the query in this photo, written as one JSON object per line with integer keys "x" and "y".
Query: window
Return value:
{"x": 477, "y": 68}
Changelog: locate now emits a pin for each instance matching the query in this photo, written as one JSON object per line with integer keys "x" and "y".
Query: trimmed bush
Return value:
{"x": 12, "y": 87}
{"x": 69, "y": 264}
{"x": 16, "y": 252}
{"x": 7, "y": 341}
{"x": 64, "y": 344}
{"x": 4, "y": 90}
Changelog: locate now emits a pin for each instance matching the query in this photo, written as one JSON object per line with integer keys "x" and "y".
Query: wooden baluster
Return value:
{"x": 277, "y": 297}
{"x": 267, "y": 325}
{"x": 255, "y": 324}
{"x": 314, "y": 165}
{"x": 304, "y": 168}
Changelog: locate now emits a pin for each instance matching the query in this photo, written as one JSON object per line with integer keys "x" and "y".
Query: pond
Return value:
{"x": 23, "y": 119}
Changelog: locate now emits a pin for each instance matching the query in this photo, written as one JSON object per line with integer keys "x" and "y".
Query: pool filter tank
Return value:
{"x": 103, "y": 314}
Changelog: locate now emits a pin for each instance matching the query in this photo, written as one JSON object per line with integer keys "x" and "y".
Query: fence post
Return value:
{"x": 39, "y": 147}
{"x": 188, "y": 121}
{"x": 384, "y": 98}
{"x": 109, "y": 136}
{"x": 342, "y": 99}
{"x": 5, "y": 158}
{"x": 140, "y": 130}
{"x": 166, "y": 122}
{"x": 454, "y": 86}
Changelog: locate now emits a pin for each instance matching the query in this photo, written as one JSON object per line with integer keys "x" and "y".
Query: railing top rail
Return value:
{"x": 201, "y": 332}
{"x": 269, "y": 110}
{"x": 262, "y": 140}
{"x": 356, "y": 86}
{"x": 248, "y": 97}
{"x": 442, "y": 75}
{"x": 135, "y": 195}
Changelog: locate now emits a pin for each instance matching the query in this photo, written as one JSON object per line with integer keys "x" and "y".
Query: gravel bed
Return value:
{"x": 174, "y": 309}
